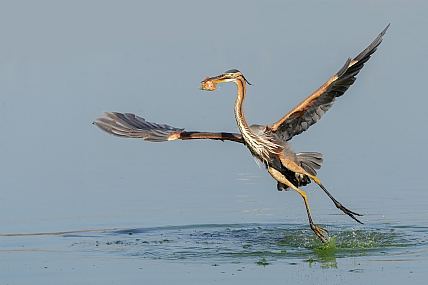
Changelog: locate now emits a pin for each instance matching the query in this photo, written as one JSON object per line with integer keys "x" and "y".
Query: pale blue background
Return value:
{"x": 64, "y": 62}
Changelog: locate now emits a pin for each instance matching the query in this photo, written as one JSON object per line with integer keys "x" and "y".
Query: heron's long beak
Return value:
{"x": 209, "y": 83}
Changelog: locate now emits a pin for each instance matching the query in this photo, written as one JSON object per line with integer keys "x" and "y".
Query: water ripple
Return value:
{"x": 253, "y": 242}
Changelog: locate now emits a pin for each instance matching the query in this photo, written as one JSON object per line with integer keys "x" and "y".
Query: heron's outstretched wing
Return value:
{"x": 312, "y": 108}
{"x": 131, "y": 126}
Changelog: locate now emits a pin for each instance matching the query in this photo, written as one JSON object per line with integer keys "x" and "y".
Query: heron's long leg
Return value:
{"x": 291, "y": 165}
{"x": 278, "y": 176}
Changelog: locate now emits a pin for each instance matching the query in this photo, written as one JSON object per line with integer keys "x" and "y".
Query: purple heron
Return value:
{"x": 269, "y": 143}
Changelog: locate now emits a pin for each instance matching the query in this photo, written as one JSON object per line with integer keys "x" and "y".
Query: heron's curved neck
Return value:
{"x": 239, "y": 106}
{"x": 260, "y": 147}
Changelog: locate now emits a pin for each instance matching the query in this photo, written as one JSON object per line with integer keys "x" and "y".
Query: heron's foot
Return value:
{"x": 338, "y": 205}
{"x": 320, "y": 232}
{"x": 348, "y": 212}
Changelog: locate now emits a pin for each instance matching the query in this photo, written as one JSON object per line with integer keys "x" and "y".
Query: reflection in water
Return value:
{"x": 261, "y": 244}
{"x": 327, "y": 254}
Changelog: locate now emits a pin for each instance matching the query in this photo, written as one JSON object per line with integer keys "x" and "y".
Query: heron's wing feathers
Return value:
{"x": 131, "y": 126}
{"x": 312, "y": 108}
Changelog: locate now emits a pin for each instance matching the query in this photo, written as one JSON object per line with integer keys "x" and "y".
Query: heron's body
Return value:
{"x": 269, "y": 143}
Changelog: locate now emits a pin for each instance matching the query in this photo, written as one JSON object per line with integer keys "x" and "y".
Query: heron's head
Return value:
{"x": 233, "y": 75}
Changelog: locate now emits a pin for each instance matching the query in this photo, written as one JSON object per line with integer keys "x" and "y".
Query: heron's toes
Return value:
{"x": 349, "y": 212}
{"x": 320, "y": 232}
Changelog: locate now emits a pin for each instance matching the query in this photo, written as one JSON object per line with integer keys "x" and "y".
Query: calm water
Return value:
{"x": 80, "y": 207}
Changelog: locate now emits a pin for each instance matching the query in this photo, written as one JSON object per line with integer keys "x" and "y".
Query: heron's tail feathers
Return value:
{"x": 131, "y": 126}
{"x": 310, "y": 161}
